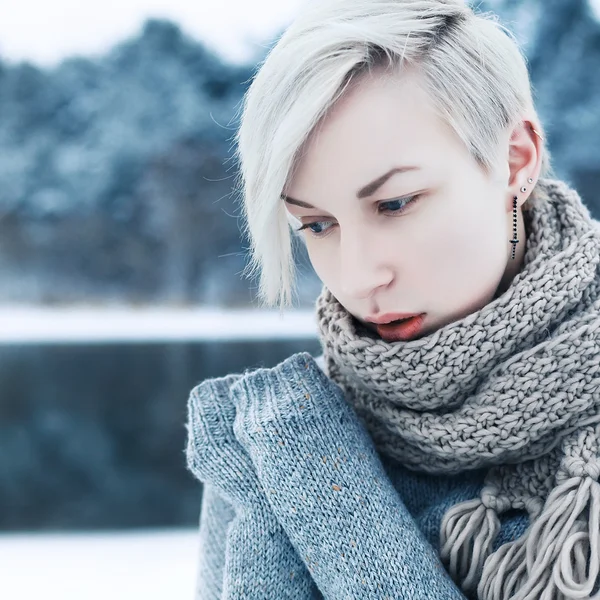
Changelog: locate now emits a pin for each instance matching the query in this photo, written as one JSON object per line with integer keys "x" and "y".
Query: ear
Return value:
{"x": 524, "y": 161}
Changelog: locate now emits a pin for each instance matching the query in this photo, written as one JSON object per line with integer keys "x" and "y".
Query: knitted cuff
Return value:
{"x": 213, "y": 454}
{"x": 260, "y": 561}
{"x": 327, "y": 486}
{"x": 294, "y": 389}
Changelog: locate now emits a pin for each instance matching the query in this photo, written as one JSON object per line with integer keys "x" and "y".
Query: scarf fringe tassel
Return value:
{"x": 468, "y": 532}
{"x": 557, "y": 558}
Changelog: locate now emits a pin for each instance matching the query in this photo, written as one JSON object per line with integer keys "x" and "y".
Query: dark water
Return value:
{"x": 93, "y": 437}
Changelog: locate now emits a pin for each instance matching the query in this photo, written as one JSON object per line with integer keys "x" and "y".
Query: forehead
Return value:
{"x": 380, "y": 122}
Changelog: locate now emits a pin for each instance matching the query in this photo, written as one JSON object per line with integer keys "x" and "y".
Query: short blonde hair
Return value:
{"x": 471, "y": 65}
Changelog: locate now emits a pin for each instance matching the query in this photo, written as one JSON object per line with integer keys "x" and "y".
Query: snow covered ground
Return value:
{"x": 31, "y": 325}
{"x": 144, "y": 565}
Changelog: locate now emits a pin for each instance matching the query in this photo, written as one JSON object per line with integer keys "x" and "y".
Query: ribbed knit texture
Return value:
{"x": 264, "y": 561}
{"x": 215, "y": 516}
{"x": 332, "y": 489}
{"x": 362, "y": 527}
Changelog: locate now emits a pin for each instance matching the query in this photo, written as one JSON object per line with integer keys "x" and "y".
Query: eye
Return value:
{"x": 393, "y": 207}
{"x": 318, "y": 224}
{"x": 403, "y": 202}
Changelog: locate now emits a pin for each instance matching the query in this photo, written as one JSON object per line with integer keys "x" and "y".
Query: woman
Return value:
{"x": 446, "y": 443}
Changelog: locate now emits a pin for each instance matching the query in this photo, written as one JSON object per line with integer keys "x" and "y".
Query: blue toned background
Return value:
{"x": 120, "y": 262}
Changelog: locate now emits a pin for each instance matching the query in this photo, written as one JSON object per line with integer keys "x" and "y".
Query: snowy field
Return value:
{"x": 146, "y": 565}
{"x": 31, "y": 325}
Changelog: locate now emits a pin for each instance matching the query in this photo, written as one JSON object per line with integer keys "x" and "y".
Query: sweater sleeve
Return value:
{"x": 254, "y": 558}
{"x": 215, "y": 516}
{"x": 328, "y": 488}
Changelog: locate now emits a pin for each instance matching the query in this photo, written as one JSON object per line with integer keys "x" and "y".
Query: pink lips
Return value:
{"x": 403, "y": 330}
{"x": 388, "y": 317}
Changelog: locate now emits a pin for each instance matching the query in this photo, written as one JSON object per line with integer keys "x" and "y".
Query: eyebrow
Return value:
{"x": 364, "y": 192}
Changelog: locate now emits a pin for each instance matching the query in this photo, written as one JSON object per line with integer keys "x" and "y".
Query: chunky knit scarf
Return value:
{"x": 513, "y": 387}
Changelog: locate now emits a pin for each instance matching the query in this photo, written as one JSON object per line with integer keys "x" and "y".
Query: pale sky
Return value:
{"x": 44, "y": 31}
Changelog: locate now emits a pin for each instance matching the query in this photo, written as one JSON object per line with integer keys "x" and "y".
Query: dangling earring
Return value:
{"x": 515, "y": 241}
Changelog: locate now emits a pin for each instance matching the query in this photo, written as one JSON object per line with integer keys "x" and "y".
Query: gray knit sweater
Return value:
{"x": 297, "y": 503}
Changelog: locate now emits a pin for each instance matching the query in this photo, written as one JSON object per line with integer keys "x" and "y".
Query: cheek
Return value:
{"x": 440, "y": 242}
{"x": 323, "y": 262}
{"x": 460, "y": 252}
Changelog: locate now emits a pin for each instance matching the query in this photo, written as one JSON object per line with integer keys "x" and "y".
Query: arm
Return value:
{"x": 327, "y": 487}
{"x": 259, "y": 561}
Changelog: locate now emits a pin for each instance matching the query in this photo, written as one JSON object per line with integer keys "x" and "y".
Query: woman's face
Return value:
{"x": 445, "y": 253}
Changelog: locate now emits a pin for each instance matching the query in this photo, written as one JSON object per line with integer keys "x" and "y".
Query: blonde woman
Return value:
{"x": 446, "y": 443}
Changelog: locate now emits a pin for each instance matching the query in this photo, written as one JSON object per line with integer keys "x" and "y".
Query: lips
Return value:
{"x": 391, "y": 318}
{"x": 401, "y": 329}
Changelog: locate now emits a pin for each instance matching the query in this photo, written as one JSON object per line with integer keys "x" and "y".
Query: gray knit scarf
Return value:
{"x": 513, "y": 387}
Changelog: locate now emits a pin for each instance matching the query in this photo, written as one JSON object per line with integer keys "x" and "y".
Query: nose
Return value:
{"x": 363, "y": 267}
